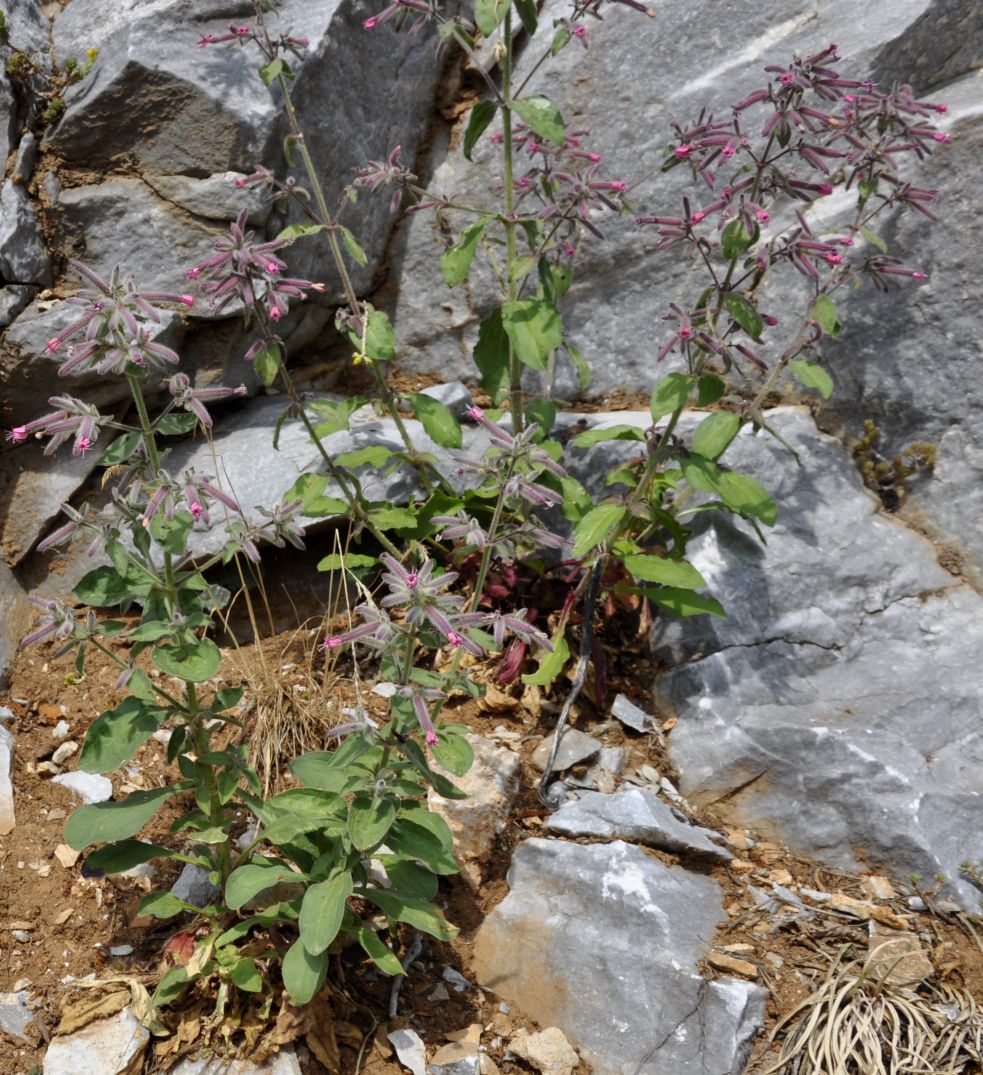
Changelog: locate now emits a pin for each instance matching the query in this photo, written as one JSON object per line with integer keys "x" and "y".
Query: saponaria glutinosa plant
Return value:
{"x": 287, "y": 896}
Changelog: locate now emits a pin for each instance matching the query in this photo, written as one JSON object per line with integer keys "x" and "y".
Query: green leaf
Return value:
{"x": 535, "y": 330}
{"x": 551, "y": 664}
{"x": 747, "y": 496}
{"x": 744, "y": 314}
{"x": 380, "y": 340}
{"x": 709, "y": 389}
{"x": 271, "y": 71}
{"x": 596, "y": 526}
{"x": 685, "y": 602}
{"x": 714, "y": 433}
{"x": 295, "y": 231}
{"x": 372, "y": 455}
{"x": 116, "y": 735}
{"x": 323, "y": 911}
{"x": 352, "y": 245}
{"x": 349, "y": 561}
{"x": 542, "y": 116}
{"x": 812, "y": 375}
{"x": 103, "y": 587}
{"x": 248, "y": 881}
{"x": 527, "y": 14}
{"x": 874, "y": 239}
{"x": 308, "y": 489}
{"x": 542, "y": 411}
{"x": 650, "y": 568}
{"x": 560, "y": 38}
{"x": 488, "y": 14}
{"x": 303, "y": 974}
{"x": 455, "y": 263}
{"x": 453, "y": 751}
{"x": 227, "y": 697}
{"x": 670, "y": 394}
{"x": 380, "y": 954}
{"x": 194, "y": 663}
{"x": 735, "y": 238}
{"x": 267, "y": 363}
{"x": 170, "y": 987}
{"x": 415, "y": 841}
{"x": 419, "y": 913}
{"x": 437, "y": 420}
{"x": 120, "y": 450}
{"x": 481, "y": 115}
{"x": 101, "y": 823}
{"x": 122, "y": 856}
{"x": 615, "y": 432}
{"x": 823, "y": 312}
{"x": 162, "y": 904}
{"x": 369, "y": 819}
{"x": 410, "y": 877}
{"x": 246, "y": 975}
{"x": 176, "y": 425}
{"x": 393, "y": 518}
{"x": 491, "y": 356}
{"x": 335, "y": 416}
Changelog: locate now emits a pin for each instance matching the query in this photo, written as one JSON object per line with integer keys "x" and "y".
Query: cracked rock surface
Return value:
{"x": 602, "y": 941}
{"x": 839, "y": 701}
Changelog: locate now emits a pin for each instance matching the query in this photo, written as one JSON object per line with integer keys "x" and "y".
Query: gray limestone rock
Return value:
{"x": 193, "y": 886}
{"x": 23, "y": 257}
{"x": 107, "y": 1045}
{"x": 7, "y": 817}
{"x": 575, "y": 747}
{"x": 639, "y": 816}
{"x": 13, "y": 299}
{"x": 491, "y": 785}
{"x": 630, "y": 715}
{"x": 215, "y": 197}
{"x": 602, "y": 941}
{"x": 155, "y": 102}
{"x": 284, "y": 1062}
{"x": 15, "y": 1015}
{"x": 16, "y": 613}
{"x": 838, "y": 703}
{"x": 125, "y": 222}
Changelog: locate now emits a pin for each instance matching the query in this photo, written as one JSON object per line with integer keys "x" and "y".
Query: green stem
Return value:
{"x": 515, "y": 367}
{"x": 216, "y": 811}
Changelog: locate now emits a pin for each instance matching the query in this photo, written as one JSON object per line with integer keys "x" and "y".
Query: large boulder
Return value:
{"x": 603, "y": 942}
{"x": 838, "y": 703}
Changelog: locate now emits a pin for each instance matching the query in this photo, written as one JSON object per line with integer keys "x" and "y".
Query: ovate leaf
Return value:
{"x": 116, "y": 735}
{"x": 650, "y": 568}
{"x": 823, "y": 312}
{"x": 303, "y": 973}
{"x": 535, "y": 330}
{"x": 491, "y": 356}
{"x": 455, "y": 263}
{"x": 596, "y": 526}
{"x": 481, "y": 115}
{"x": 437, "y": 420}
{"x": 744, "y": 314}
{"x": 323, "y": 911}
{"x": 488, "y": 14}
{"x": 194, "y": 662}
{"x": 670, "y": 394}
{"x": 812, "y": 375}
{"x": 369, "y": 819}
{"x": 101, "y": 823}
{"x": 542, "y": 116}
{"x": 714, "y": 433}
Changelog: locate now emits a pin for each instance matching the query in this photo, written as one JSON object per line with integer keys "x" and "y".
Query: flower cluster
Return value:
{"x": 248, "y": 271}
{"x": 194, "y": 399}
{"x": 74, "y": 418}
{"x": 117, "y": 326}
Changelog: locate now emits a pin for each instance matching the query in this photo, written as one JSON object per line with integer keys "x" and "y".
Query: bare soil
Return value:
{"x": 73, "y": 922}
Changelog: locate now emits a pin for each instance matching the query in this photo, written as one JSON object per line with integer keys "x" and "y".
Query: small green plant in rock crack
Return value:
{"x": 888, "y": 477}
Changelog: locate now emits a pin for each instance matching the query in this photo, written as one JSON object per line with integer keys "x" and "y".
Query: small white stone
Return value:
{"x": 21, "y": 935}
{"x": 121, "y": 950}
{"x": 89, "y": 787}
{"x": 64, "y": 752}
{"x": 61, "y": 729}
{"x": 410, "y": 1050}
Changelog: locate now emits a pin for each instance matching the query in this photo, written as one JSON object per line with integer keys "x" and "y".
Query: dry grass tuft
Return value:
{"x": 858, "y": 1023}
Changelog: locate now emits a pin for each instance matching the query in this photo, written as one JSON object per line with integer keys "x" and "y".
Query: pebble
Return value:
{"x": 89, "y": 787}
{"x": 21, "y": 935}
{"x": 7, "y": 820}
{"x": 455, "y": 979}
{"x": 66, "y": 855}
{"x": 575, "y": 746}
{"x": 630, "y": 714}
{"x": 548, "y": 1051}
{"x": 879, "y": 888}
{"x": 48, "y": 768}
{"x": 64, "y": 752}
{"x": 107, "y": 1045}
{"x": 61, "y": 730}
{"x": 439, "y": 993}
{"x": 916, "y": 903}
{"x": 456, "y": 1058}
{"x": 14, "y": 1012}
{"x": 410, "y": 1050}
{"x": 121, "y": 950}
{"x": 732, "y": 965}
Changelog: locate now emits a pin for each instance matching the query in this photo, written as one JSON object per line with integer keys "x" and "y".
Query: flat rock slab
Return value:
{"x": 284, "y": 1062}
{"x": 575, "y": 747}
{"x": 636, "y": 815}
{"x": 113, "y": 1046}
{"x": 7, "y": 817}
{"x": 602, "y": 941}
{"x": 89, "y": 787}
{"x": 839, "y": 701}
{"x": 15, "y": 1014}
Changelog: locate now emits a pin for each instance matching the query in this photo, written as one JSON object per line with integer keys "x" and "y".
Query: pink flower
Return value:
{"x": 683, "y": 151}
{"x": 193, "y": 274}
{"x": 332, "y": 642}
{"x": 82, "y": 445}
{"x": 939, "y": 136}
{"x": 17, "y": 435}
{"x": 275, "y": 314}
{"x": 432, "y": 739}
{"x": 196, "y": 510}
{"x": 54, "y": 343}
{"x": 205, "y": 40}
{"x": 188, "y": 300}
{"x": 412, "y": 578}
{"x": 762, "y": 215}
{"x": 370, "y": 23}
